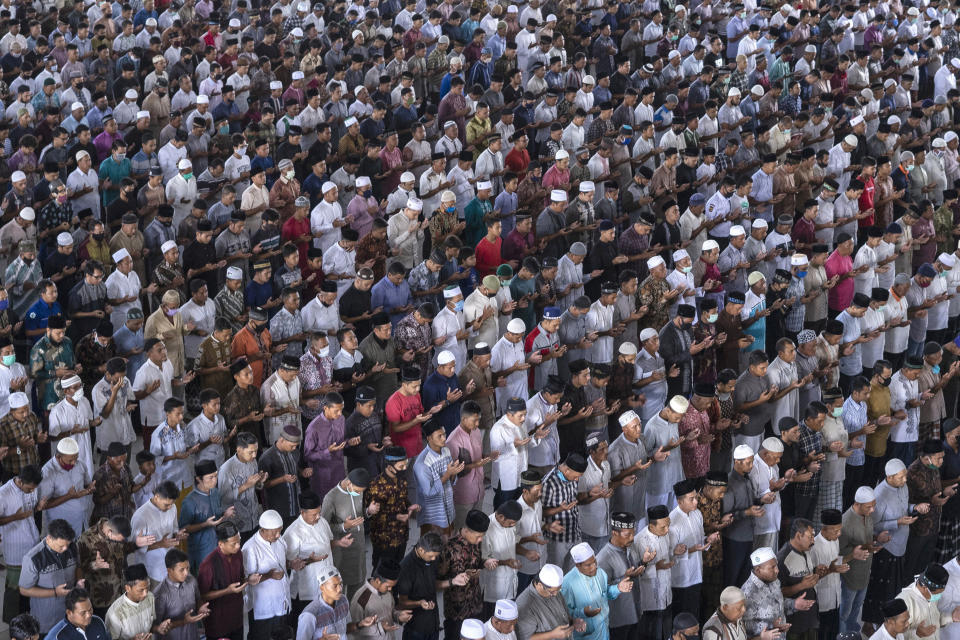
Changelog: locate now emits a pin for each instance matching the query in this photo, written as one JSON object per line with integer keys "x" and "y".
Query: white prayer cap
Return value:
{"x": 234, "y": 273}
{"x": 893, "y": 467}
{"x": 947, "y": 259}
{"x": 627, "y": 417}
{"x": 270, "y": 519}
{"x": 64, "y": 239}
{"x": 558, "y": 195}
{"x": 68, "y": 446}
{"x": 736, "y": 230}
{"x": 448, "y": 196}
{"x": 349, "y": 122}
{"x": 773, "y": 445}
{"x": 913, "y": 11}
{"x": 938, "y": 143}
{"x": 80, "y": 155}
{"x": 143, "y": 114}
{"x": 20, "y": 175}
{"x": 798, "y": 260}
{"x": 587, "y": 186}
{"x": 864, "y": 495}
{"x": 363, "y": 181}
{"x": 561, "y": 155}
{"x": 449, "y": 123}
{"x": 680, "y": 254}
{"x": 810, "y": 48}
{"x": 654, "y": 262}
{"x": 119, "y": 255}
{"x": 709, "y": 245}
{"x": 949, "y": 136}
{"x": 131, "y": 94}
{"x": 512, "y": 9}
{"x": 356, "y": 33}
{"x": 297, "y": 75}
{"x": 754, "y": 278}
{"x": 451, "y": 292}
{"x": 551, "y": 18}
{"x": 28, "y": 214}
{"x": 647, "y": 333}
{"x": 733, "y": 91}
{"x": 234, "y": 22}
{"x": 742, "y": 452}
{"x": 328, "y": 573}
{"x": 406, "y": 176}
{"x": 71, "y": 381}
{"x": 889, "y": 82}
{"x": 505, "y": 610}
{"x": 761, "y": 555}
{"x": 581, "y": 552}
{"x": 759, "y": 223}
{"x": 276, "y": 84}
{"x": 516, "y": 326}
{"x": 679, "y": 404}
{"x": 296, "y": 32}
{"x": 588, "y": 80}
{"x": 445, "y": 357}
{"x": 627, "y": 349}
{"x": 892, "y": 120}
{"x": 550, "y": 575}
{"x": 757, "y": 90}
{"x": 855, "y": 120}
{"x": 166, "y": 246}
{"x": 18, "y": 399}
{"x": 955, "y": 62}
{"x": 850, "y": 140}
{"x": 151, "y": 22}
{"x": 76, "y": 105}
{"x": 184, "y": 164}
{"x": 328, "y": 186}
{"x": 415, "y": 203}
{"x": 483, "y": 185}
{"x": 204, "y": 99}
{"x": 673, "y": 54}
{"x": 472, "y": 629}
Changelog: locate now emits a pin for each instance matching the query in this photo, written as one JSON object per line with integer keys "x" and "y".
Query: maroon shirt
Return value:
{"x": 218, "y": 571}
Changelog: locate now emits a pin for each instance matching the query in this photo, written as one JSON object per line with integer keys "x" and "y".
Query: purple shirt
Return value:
{"x": 328, "y": 467}
{"x": 469, "y": 487}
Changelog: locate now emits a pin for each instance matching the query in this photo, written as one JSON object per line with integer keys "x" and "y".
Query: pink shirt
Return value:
{"x": 469, "y": 487}
{"x": 841, "y": 295}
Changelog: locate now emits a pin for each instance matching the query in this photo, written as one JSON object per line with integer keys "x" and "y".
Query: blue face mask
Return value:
{"x": 934, "y": 597}
{"x": 353, "y": 493}
{"x": 801, "y": 274}
{"x": 562, "y": 477}
{"x": 935, "y": 368}
{"x": 368, "y": 193}
{"x": 451, "y": 209}
{"x": 837, "y": 412}
{"x": 627, "y": 141}
{"x": 225, "y": 129}
{"x": 458, "y": 307}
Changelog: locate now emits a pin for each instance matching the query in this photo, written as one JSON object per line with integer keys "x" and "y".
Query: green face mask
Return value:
{"x": 188, "y": 176}
{"x": 9, "y": 360}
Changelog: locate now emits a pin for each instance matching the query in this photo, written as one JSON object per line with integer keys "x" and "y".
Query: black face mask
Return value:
{"x": 886, "y": 381}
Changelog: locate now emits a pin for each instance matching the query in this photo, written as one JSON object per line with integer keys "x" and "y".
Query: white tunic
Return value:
{"x": 148, "y": 520}
{"x": 504, "y": 355}
{"x": 123, "y": 286}
{"x": 512, "y": 461}
{"x": 65, "y": 416}
{"x": 499, "y": 543}
{"x": 302, "y": 540}
{"x": 204, "y": 318}
{"x": 600, "y": 318}
{"x": 269, "y": 598}
{"x": 338, "y": 260}
{"x": 321, "y": 221}
{"x": 446, "y": 325}
{"x": 655, "y": 584}
{"x": 686, "y": 529}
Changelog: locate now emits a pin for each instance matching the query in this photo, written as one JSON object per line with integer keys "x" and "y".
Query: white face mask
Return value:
{"x": 323, "y": 352}
{"x": 78, "y": 395}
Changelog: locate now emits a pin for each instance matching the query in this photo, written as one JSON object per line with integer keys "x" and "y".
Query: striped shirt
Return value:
{"x": 126, "y": 618}
{"x": 558, "y": 490}
{"x": 434, "y": 495}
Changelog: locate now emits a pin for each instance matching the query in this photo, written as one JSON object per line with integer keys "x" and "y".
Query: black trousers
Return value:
{"x": 656, "y": 625}
{"x": 736, "y": 561}
{"x": 386, "y": 553}
{"x": 921, "y": 551}
{"x": 853, "y": 480}
{"x": 895, "y": 359}
{"x": 265, "y": 628}
{"x": 829, "y": 625}
{"x": 872, "y": 471}
{"x": 687, "y": 600}
{"x": 626, "y": 632}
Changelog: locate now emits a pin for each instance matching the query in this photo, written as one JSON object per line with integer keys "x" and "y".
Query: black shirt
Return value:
{"x": 198, "y": 255}
{"x": 353, "y": 303}
{"x": 57, "y": 262}
{"x": 418, "y": 581}
{"x": 573, "y": 434}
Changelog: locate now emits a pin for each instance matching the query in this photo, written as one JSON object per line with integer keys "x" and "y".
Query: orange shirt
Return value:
{"x": 245, "y": 344}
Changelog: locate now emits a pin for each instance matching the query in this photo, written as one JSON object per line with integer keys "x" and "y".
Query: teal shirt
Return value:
{"x": 580, "y": 591}
{"x": 475, "y": 214}
{"x": 115, "y": 172}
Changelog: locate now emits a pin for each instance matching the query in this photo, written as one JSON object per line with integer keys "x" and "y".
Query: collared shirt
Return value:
{"x": 168, "y": 441}
{"x": 269, "y": 598}
{"x": 148, "y": 520}
{"x": 127, "y": 619}
{"x": 174, "y": 600}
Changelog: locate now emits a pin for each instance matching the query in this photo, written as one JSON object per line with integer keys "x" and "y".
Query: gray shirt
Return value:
{"x": 663, "y": 475}
{"x": 233, "y": 474}
{"x": 615, "y": 562}
{"x": 539, "y": 614}
{"x": 892, "y": 504}
{"x": 739, "y": 497}
{"x": 623, "y": 454}
{"x": 749, "y": 388}
{"x": 45, "y": 568}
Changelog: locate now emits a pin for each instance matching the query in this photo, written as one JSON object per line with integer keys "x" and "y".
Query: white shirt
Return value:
{"x": 321, "y": 221}
{"x": 600, "y": 318}
{"x": 499, "y": 543}
{"x": 169, "y": 156}
{"x": 79, "y": 180}
{"x": 504, "y": 355}
{"x": 204, "y": 318}
{"x": 66, "y": 416}
{"x": 512, "y": 462}
{"x": 447, "y": 324}
{"x": 148, "y": 520}
{"x": 269, "y": 598}
{"x": 123, "y": 286}
{"x": 686, "y": 529}
{"x": 151, "y": 406}
{"x": 302, "y": 540}
{"x": 338, "y": 260}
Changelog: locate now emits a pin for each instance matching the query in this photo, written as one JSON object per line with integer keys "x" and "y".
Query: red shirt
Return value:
{"x": 400, "y": 409}
{"x": 488, "y": 256}
{"x": 804, "y": 231}
{"x": 866, "y": 202}
{"x": 517, "y": 161}
{"x": 293, "y": 229}
{"x": 841, "y": 295}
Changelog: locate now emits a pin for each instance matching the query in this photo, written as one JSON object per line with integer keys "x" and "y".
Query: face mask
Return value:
{"x": 837, "y": 412}
{"x": 801, "y": 274}
{"x": 9, "y": 360}
{"x": 786, "y": 132}
{"x": 686, "y": 269}
{"x": 885, "y": 381}
{"x": 225, "y": 129}
{"x": 242, "y": 150}
{"x": 67, "y": 467}
{"x": 27, "y": 260}
{"x": 924, "y": 285}
{"x": 942, "y": 274}
{"x": 506, "y": 283}
{"x": 935, "y": 368}
{"x": 627, "y": 141}
{"x": 451, "y": 209}
{"x": 290, "y": 175}
{"x": 323, "y": 352}
{"x": 353, "y": 493}
{"x": 119, "y": 157}
{"x": 712, "y": 318}
{"x": 187, "y": 176}
{"x": 78, "y": 395}
{"x": 723, "y": 396}
{"x": 563, "y": 478}
{"x": 4, "y": 304}
{"x": 61, "y": 199}
{"x": 173, "y": 312}
{"x": 458, "y": 307}
{"x": 934, "y": 597}
{"x": 909, "y": 168}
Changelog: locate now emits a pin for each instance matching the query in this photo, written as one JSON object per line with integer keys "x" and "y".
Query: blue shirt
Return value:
{"x": 434, "y": 391}
{"x": 257, "y": 294}
{"x": 854, "y": 417}
{"x": 38, "y": 314}
{"x": 390, "y": 296}
{"x": 762, "y": 191}
{"x": 313, "y": 186}
{"x": 197, "y": 507}
{"x": 265, "y": 164}
{"x": 126, "y": 341}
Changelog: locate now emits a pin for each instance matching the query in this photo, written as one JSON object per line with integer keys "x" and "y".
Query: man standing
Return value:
{"x": 265, "y": 565}
{"x": 587, "y": 590}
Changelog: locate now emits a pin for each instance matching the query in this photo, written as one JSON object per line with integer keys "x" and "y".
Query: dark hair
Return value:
{"x": 880, "y": 365}
{"x": 799, "y": 525}
{"x": 859, "y": 383}
{"x": 120, "y": 524}
{"x": 24, "y": 627}
{"x": 30, "y": 474}
{"x": 167, "y": 490}
{"x": 245, "y": 439}
{"x": 60, "y": 529}
{"x": 757, "y": 357}
{"x": 814, "y": 409}
{"x": 172, "y": 403}
{"x": 208, "y": 394}
{"x": 430, "y": 542}
{"x": 174, "y": 557}
{"x": 76, "y": 595}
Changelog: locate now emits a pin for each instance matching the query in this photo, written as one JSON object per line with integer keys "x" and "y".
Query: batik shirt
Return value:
{"x": 239, "y": 403}
{"x": 765, "y": 604}
{"x": 459, "y": 556}
{"x": 230, "y": 304}
{"x": 385, "y": 531}
{"x": 712, "y": 511}
{"x": 119, "y": 485}
{"x": 651, "y": 294}
{"x": 45, "y": 358}
{"x": 314, "y": 373}
{"x": 409, "y": 335}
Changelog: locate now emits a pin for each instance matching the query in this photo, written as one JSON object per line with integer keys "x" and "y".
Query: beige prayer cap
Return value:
{"x": 731, "y": 595}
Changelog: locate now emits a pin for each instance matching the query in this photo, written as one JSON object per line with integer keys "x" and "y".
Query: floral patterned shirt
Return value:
{"x": 458, "y": 556}
{"x": 384, "y": 530}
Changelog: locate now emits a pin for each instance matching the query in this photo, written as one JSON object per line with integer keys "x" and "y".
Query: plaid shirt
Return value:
{"x": 811, "y": 443}
{"x": 556, "y": 491}
{"x": 10, "y": 432}
{"x": 797, "y": 313}
{"x": 738, "y": 79}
